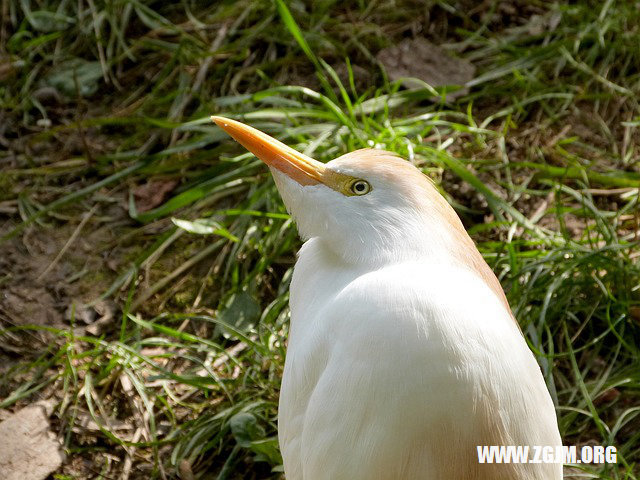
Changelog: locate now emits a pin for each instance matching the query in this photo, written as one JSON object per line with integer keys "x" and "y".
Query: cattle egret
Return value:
{"x": 403, "y": 353}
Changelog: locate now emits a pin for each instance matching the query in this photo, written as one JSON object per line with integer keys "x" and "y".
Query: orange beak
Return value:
{"x": 304, "y": 170}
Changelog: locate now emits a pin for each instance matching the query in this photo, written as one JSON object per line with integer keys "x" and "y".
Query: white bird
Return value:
{"x": 403, "y": 353}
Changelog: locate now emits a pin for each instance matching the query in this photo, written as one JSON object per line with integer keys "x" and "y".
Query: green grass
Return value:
{"x": 540, "y": 158}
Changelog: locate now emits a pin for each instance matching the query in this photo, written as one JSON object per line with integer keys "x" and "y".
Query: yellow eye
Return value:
{"x": 360, "y": 187}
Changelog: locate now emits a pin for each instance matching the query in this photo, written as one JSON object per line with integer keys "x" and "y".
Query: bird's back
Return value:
{"x": 401, "y": 372}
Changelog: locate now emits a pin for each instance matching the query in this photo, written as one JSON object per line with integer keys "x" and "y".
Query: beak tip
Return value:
{"x": 299, "y": 167}
{"x": 220, "y": 121}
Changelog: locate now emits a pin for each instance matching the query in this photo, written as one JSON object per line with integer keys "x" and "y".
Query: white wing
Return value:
{"x": 401, "y": 372}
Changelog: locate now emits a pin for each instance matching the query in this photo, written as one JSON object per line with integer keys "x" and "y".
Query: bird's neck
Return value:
{"x": 400, "y": 246}
{"x": 429, "y": 248}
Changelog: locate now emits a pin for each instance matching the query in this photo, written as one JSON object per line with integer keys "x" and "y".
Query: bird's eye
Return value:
{"x": 360, "y": 187}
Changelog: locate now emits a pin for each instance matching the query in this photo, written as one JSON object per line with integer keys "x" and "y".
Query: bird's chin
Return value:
{"x": 299, "y": 201}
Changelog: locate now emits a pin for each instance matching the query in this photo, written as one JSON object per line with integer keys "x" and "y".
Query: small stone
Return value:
{"x": 29, "y": 450}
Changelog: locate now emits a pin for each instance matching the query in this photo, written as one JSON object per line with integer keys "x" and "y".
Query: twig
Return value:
{"x": 611, "y": 191}
{"x": 73, "y": 237}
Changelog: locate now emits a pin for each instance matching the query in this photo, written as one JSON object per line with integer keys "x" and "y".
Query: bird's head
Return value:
{"x": 368, "y": 206}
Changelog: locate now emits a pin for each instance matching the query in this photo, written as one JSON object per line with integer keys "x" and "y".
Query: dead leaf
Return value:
{"x": 539, "y": 24}
{"x": 9, "y": 68}
{"x": 607, "y": 396}
{"x": 430, "y": 63}
{"x": 184, "y": 470}
{"x": 83, "y": 313}
{"x": 98, "y": 316}
{"x": 152, "y": 194}
{"x": 86, "y": 422}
